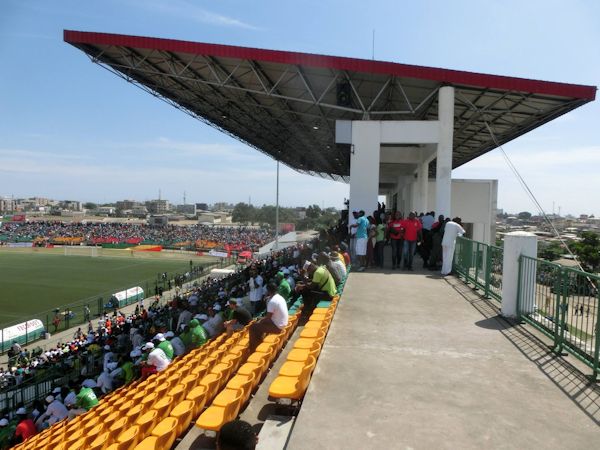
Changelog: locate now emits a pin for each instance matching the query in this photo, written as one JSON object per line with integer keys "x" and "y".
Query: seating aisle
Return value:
{"x": 409, "y": 363}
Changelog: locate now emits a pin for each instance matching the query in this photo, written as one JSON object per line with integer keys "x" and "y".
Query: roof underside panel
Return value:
{"x": 286, "y": 104}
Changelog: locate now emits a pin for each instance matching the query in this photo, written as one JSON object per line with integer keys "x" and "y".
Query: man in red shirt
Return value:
{"x": 25, "y": 428}
{"x": 412, "y": 234}
{"x": 395, "y": 232}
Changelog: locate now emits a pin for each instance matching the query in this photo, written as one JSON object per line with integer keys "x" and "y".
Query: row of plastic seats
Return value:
{"x": 229, "y": 402}
{"x": 139, "y": 406}
{"x": 294, "y": 375}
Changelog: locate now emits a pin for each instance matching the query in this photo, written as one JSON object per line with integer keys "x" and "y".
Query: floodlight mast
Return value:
{"x": 277, "y": 211}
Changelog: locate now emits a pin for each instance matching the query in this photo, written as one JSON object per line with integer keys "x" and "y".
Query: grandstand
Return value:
{"x": 404, "y": 365}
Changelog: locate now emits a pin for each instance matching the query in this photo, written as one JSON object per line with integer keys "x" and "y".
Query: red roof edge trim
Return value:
{"x": 336, "y": 62}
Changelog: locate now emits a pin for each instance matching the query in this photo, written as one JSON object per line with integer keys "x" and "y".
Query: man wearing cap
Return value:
{"x": 239, "y": 319}
{"x": 105, "y": 380}
{"x": 275, "y": 320}
{"x": 198, "y": 334}
{"x": 176, "y": 343}
{"x": 55, "y": 411}
{"x": 319, "y": 285}
{"x": 25, "y": 427}
{"x": 214, "y": 324}
{"x": 255, "y": 284}
{"x": 161, "y": 342}
{"x": 109, "y": 356}
{"x": 6, "y": 433}
{"x": 157, "y": 360}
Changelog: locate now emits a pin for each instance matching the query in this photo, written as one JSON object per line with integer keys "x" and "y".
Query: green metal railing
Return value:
{"x": 481, "y": 265}
{"x": 563, "y": 303}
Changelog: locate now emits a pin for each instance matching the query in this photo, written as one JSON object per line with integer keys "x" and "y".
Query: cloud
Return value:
{"x": 188, "y": 11}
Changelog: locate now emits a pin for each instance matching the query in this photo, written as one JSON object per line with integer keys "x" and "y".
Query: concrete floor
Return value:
{"x": 415, "y": 361}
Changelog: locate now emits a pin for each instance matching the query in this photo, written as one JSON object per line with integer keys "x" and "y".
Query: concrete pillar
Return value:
{"x": 423, "y": 182}
{"x": 443, "y": 199}
{"x": 516, "y": 244}
{"x": 364, "y": 166}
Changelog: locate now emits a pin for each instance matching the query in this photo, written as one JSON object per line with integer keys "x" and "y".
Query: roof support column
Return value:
{"x": 443, "y": 199}
{"x": 423, "y": 182}
{"x": 364, "y": 166}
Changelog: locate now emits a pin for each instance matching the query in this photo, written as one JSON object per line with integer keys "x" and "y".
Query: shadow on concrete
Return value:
{"x": 572, "y": 382}
{"x": 493, "y": 323}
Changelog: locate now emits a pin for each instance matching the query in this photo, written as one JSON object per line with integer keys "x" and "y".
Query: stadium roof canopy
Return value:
{"x": 285, "y": 104}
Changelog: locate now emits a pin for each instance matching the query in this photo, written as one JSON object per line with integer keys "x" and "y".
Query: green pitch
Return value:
{"x": 33, "y": 283}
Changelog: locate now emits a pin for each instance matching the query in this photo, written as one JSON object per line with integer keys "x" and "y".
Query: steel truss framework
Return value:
{"x": 287, "y": 109}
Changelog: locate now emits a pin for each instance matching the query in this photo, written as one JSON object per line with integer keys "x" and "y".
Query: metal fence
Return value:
{"x": 481, "y": 265}
{"x": 562, "y": 302}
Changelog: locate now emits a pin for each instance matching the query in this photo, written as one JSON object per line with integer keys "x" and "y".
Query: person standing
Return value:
{"x": 412, "y": 234}
{"x": 396, "y": 233}
{"x": 452, "y": 229}
{"x": 379, "y": 243}
{"x": 362, "y": 229}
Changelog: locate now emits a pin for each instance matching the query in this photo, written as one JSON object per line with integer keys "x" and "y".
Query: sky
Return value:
{"x": 70, "y": 130}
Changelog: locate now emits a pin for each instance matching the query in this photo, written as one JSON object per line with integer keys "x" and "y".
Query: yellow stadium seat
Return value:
{"x": 307, "y": 343}
{"x": 234, "y": 358}
{"x": 92, "y": 433}
{"x": 223, "y": 370}
{"x": 211, "y": 381}
{"x": 79, "y": 444}
{"x": 101, "y": 442}
{"x": 118, "y": 426}
{"x": 302, "y": 355}
{"x": 258, "y": 358}
{"x": 243, "y": 382}
{"x": 256, "y": 369}
{"x": 190, "y": 382}
{"x": 134, "y": 413}
{"x": 129, "y": 438}
{"x": 163, "y": 406}
{"x": 110, "y": 419}
{"x": 165, "y": 431}
{"x": 198, "y": 397}
{"x": 147, "y": 421}
{"x": 183, "y": 412}
{"x": 214, "y": 417}
{"x": 150, "y": 399}
{"x": 292, "y": 387}
{"x": 177, "y": 392}
{"x": 199, "y": 371}
{"x": 312, "y": 333}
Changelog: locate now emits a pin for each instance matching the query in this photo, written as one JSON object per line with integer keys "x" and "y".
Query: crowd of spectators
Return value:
{"x": 118, "y": 348}
{"x": 241, "y": 238}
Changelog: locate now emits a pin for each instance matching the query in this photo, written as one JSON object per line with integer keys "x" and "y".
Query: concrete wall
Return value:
{"x": 475, "y": 202}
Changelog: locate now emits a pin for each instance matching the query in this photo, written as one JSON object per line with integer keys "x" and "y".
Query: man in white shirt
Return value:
{"x": 156, "y": 357}
{"x": 256, "y": 290}
{"x": 55, "y": 411}
{"x": 105, "y": 381}
{"x": 452, "y": 229}
{"x": 275, "y": 320}
{"x": 176, "y": 342}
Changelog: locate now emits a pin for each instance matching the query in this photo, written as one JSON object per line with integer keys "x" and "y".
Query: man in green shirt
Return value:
{"x": 161, "y": 342}
{"x": 284, "y": 288}
{"x": 318, "y": 285}
{"x": 199, "y": 336}
{"x": 6, "y": 432}
{"x": 84, "y": 401}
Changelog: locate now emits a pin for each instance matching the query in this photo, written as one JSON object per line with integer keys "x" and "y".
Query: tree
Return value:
{"x": 588, "y": 251}
{"x": 524, "y": 215}
{"x": 244, "y": 213}
{"x": 90, "y": 205}
{"x": 550, "y": 251}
